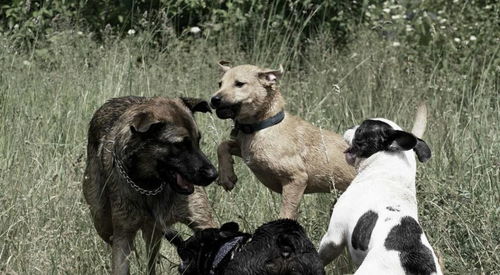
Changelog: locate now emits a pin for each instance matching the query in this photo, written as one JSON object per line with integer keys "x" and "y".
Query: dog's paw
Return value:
{"x": 227, "y": 181}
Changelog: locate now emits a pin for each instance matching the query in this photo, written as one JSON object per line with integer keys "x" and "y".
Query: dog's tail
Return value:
{"x": 420, "y": 120}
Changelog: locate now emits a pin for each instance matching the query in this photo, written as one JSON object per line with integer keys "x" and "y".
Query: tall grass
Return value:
{"x": 48, "y": 96}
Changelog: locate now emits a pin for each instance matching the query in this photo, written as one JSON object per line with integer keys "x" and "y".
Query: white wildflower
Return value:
{"x": 456, "y": 39}
{"x": 79, "y": 33}
{"x": 387, "y": 10}
{"x": 396, "y": 44}
{"x": 397, "y": 16}
{"x": 26, "y": 63}
{"x": 194, "y": 30}
{"x": 131, "y": 32}
{"x": 472, "y": 38}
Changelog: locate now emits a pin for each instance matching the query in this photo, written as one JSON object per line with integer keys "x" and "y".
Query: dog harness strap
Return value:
{"x": 224, "y": 251}
{"x": 254, "y": 127}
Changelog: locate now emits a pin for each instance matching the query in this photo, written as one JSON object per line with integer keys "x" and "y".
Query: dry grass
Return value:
{"x": 48, "y": 96}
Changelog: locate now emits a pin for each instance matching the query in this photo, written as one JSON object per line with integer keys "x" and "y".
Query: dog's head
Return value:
{"x": 377, "y": 135}
{"x": 160, "y": 143}
{"x": 287, "y": 249}
{"x": 244, "y": 91}
{"x": 199, "y": 251}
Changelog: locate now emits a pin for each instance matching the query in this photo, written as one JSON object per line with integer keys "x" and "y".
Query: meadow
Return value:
{"x": 48, "y": 95}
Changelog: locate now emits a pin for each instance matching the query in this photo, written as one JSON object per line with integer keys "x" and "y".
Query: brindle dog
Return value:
{"x": 143, "y": 162}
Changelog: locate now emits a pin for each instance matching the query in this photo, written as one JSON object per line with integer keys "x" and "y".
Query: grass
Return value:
{"x": 48, "y": 96}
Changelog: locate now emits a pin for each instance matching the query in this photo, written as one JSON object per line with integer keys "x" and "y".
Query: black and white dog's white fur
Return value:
{"x": 376, "y": 217}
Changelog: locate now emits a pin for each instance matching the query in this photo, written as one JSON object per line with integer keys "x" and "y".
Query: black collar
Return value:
{"x": 254, "y": 127}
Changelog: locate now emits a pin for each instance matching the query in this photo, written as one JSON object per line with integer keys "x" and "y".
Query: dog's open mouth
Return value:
{"x": 228, "y": 111}
{"x": 181, "y": 185}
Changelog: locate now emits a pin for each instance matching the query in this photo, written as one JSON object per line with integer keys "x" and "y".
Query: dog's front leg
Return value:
{"x": 225, "y": 151}
{"x": 292, "y": 193}
{"x": 195, "y": 210}
{"x": 122, "y": 245}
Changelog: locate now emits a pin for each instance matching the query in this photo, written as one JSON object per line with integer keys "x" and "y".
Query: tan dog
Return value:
{"x": 288, "y": 155}
{"x": 143, "y": 162}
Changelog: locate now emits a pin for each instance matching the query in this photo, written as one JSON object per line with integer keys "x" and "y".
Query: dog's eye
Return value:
{"x": 220, "y": 84}
{"x": 185, "y": 142}
{"x": 239, "y": 84}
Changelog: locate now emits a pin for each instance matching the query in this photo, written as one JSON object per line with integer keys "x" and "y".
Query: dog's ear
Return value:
{"x": 224, "y": 65}
{"x": 401, "y": 141}
{"x": 271, "y": 76}
{"x": 196, "y": 104}
{"x": 229, "y": 227}
{"x": 173, "y": 237}
{"x": 144, "y": 122}
{"x": 285, "y": 245}
{"x": 422, "y": 150}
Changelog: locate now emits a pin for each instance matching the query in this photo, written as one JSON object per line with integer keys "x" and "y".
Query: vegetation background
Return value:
{"x": 344, "y": 60}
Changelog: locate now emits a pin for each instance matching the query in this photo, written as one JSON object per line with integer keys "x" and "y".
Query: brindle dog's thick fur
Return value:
{"x": 155, "y": 142}
{"x": 293, "y": 157}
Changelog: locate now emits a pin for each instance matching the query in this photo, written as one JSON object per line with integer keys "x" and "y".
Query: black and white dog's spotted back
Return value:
{"x": 376, "y": 217}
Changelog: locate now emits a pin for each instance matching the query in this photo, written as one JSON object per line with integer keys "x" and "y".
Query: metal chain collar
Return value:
{"x": 123, "y": 173}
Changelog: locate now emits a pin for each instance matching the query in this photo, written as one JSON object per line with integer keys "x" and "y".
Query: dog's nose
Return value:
{"x": 210, "y": 174}
{"x": 216, "y": 100}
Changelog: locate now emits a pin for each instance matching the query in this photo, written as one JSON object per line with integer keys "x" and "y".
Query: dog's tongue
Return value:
{"x": 184, "y": 184}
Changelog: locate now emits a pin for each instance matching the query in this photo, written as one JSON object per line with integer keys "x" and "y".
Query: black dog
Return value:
{"x": 276, "y": 248}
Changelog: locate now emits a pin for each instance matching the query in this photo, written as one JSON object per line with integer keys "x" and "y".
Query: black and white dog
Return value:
{"x": 376, "y": 217}
{"x": 276, "y": 248}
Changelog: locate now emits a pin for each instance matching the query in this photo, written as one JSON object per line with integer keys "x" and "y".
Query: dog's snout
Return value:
{"x": 210, "y": 173}
{"x": 216, "y": 100}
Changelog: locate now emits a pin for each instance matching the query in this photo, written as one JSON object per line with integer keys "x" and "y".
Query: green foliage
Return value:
{"x": 428, "y": 29}
{"x": 254, "y": 22}
{"x": 29, "y": 20}
{"x": 458, "y": 28}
